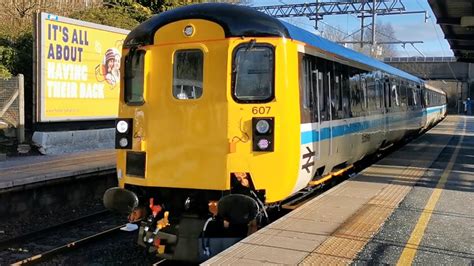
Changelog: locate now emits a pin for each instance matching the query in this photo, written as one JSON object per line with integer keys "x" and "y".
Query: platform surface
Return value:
{"x": 19, "y": 171}
{"x": 414, "y": 206}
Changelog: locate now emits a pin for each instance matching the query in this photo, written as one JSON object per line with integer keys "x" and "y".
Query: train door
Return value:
{"x": 311, "y": 103}
{"x": 331, "y": 102}
{"x": 310, "y": 130}
{"x": 338, "y": 122}
{"x": 323, "y": 76}
{"x": 190, "y": 103}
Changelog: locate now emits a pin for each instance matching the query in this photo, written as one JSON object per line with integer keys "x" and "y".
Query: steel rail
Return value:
{"x": 17, "y": 239}
{"x": 66, "y": 247}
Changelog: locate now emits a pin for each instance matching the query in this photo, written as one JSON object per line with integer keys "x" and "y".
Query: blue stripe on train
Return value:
{"x": 337, "y": 131}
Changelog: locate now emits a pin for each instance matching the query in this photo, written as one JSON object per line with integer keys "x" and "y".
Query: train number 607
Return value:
{"x": 262, "y": 110}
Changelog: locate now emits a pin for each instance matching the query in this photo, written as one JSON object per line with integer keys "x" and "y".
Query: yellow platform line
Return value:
{"x": 409, "y": 252}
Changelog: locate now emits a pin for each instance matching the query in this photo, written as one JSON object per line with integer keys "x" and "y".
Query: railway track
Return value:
{"x": 54, "y": 240}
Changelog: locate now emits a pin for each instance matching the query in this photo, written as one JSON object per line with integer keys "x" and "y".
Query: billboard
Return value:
{"x": 77, "y": 69}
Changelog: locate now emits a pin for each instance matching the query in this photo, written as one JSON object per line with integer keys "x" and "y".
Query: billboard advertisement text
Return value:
{"x": 79, "y": 69}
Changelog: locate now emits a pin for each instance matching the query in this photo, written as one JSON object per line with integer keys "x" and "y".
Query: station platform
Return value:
{"x": 27, "y": 170}
{"x": 416, "y": 205}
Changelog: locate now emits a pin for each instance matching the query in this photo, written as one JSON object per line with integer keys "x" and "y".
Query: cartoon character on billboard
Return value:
{"x": 110, "y": 67}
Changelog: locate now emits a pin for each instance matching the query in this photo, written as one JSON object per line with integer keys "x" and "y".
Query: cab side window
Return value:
{"x": 134, "y": 77}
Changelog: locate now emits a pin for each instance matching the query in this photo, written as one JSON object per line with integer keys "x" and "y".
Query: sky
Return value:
{"x": 410, "y": 27}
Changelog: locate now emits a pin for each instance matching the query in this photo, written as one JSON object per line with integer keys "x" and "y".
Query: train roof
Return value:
{"x": 238, "y": 21}
{"x": 334, "y": 48}
{"x": 429, "y": 87}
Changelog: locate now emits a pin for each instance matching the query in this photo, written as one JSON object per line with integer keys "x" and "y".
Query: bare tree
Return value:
{"x": 384, "y": 33}
{"x": 16, "y": 15}
{"x": 333, "y": 33}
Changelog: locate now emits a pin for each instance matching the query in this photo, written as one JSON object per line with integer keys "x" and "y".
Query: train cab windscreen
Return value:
{"x": 253, "y": 73}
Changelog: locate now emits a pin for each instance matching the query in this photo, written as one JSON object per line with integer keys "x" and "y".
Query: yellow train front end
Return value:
{"x": 208, "y": 127}
{"x": 192, "y": 131}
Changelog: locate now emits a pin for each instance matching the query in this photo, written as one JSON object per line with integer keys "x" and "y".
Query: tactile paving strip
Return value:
{"x": 352, "y": 236}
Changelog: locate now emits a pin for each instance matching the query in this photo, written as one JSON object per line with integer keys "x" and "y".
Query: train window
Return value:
{"x": 371, "y": 93}
{"x": 253, "y": 73}
{"x": 336, "y": 105}
{"x": 323, "y": 88}
{"x": 422, "y": 99}
{"x": 386, "y": 89}
{"x": 378, "y": 90}
{"x": 320, "y": 85}
{"x": 415, "y": 100}
{"x": 345, "y": 91}
{"x": 394, "y": 89}
{"x": 409, "y": 96}
{"x": 188, "y": 74}
{"x": 134, "y": 77}
{"x": 355, "y": 92}
{"x": 403, "y": 93}
{"x": 364, "y": 95}
{"x": 309, "y": 87}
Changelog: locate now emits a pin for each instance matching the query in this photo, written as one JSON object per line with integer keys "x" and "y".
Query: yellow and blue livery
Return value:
{"x": 225, "y": 112}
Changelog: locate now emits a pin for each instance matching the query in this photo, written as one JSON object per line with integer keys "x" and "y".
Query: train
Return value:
{"x": 226, "y": 112}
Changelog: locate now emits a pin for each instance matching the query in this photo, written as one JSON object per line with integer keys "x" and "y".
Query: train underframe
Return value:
{"x": 190, "y": 224}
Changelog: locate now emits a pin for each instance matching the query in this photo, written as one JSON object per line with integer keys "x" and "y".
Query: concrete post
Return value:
{"x": 21, "y": 107}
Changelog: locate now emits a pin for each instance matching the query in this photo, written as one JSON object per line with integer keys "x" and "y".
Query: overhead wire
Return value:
{"x": 347, "y": 35}
{"x": 335, "y": 28}
{"x": 403, "y": 46}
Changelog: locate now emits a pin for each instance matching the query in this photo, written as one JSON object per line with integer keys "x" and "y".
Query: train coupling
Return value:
{"x": 120, "y": 200}
{"x": 196, "y": 238}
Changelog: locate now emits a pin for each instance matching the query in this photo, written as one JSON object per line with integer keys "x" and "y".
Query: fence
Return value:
{"x": 429, "y": 59}
{"x": 12, "y": 109}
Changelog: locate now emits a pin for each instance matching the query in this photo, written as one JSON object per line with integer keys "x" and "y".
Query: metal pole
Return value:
{"x": 362, "y": 31}
{"x": 374, "y": 17}
{"x": 36, "y": 111}
{"x": 316, "y": 20}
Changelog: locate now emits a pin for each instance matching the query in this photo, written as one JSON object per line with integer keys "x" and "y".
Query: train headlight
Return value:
{"x": 122, "y": 126}
{"x": 123, "y": 133}
{"x": 123, "y": 142}
{"x": 262, "y": 126}
{"x": 188, "y": 31}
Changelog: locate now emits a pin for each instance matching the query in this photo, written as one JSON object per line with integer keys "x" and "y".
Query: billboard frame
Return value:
{"x": 39, "y": 72}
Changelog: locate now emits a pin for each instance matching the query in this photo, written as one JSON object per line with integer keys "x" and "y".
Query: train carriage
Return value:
{"x": 225, "y": 112}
